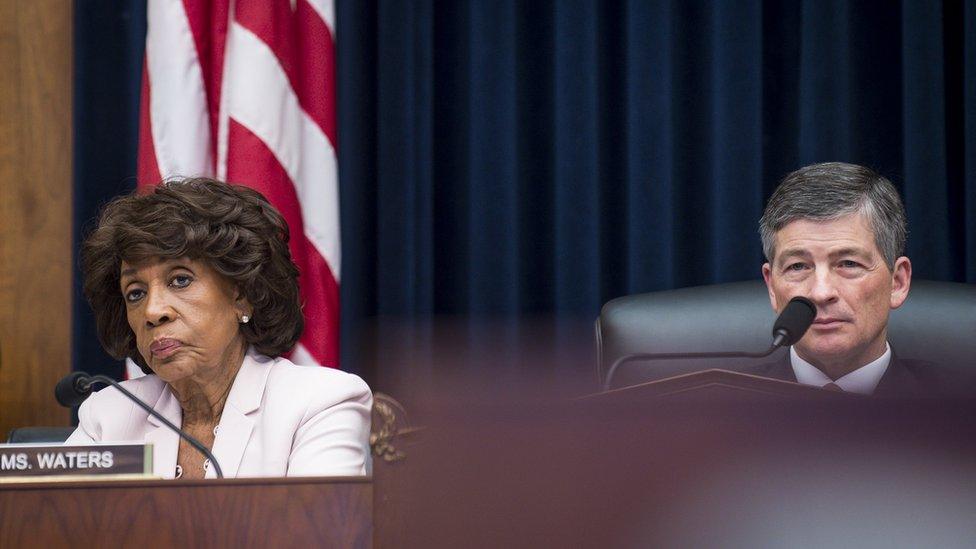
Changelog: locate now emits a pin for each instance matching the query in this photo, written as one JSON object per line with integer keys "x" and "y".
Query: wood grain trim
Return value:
{"x": 35, "y": 210}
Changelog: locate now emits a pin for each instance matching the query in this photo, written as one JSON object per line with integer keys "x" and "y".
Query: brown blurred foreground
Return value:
{"x": 501, "y": 468}
{"x": 507, "y": 454}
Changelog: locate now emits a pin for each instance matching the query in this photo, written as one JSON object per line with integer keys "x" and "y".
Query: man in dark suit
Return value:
{"x": 835, "y": 233}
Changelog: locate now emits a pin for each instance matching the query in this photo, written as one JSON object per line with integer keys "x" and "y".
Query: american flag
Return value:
{"x": 244, "y": 91}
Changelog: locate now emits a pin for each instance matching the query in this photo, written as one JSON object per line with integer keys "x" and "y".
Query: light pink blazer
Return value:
{"x": 279, "y": 420}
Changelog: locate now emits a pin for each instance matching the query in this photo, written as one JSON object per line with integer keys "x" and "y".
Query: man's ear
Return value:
{"x": 767, "y": 273}
{"x": 901, "y": 281}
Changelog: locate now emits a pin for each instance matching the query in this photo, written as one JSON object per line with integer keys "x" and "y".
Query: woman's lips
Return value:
{"x": 163, "y": 348}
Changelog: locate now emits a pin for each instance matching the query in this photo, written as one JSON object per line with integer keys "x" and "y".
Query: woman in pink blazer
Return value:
{"x": 194, "y": 282}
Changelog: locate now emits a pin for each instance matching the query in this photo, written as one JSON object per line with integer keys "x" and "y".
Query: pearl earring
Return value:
{"x": 245, "y": 319}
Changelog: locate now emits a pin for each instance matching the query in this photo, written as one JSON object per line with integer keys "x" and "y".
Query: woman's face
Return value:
{"x": 185, "y": 317}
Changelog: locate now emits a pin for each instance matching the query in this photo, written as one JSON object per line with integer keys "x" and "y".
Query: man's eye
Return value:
{"x": 849, "y": 264}
{"x": 134, "y": 295}
{"x": 795, "y": 267}
{"x": 181, "y": 281}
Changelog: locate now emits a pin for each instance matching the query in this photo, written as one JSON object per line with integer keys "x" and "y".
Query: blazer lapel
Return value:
{"x": 780, "y": 369}
{"x": 234, "y": 431}
{"x": 166, "y": 443}
{"x": 784, "y": 369}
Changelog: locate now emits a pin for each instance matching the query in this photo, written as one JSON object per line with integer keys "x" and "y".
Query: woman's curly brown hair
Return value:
{"x": 234, "y": 229}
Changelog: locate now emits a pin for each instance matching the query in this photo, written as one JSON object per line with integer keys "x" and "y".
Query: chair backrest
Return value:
{"x": 26, "y": 435}
{"x": 937, "y": 323}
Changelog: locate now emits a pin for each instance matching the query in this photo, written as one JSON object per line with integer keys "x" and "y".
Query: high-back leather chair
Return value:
{"x": 936, "y": 323}
{"x": 31, "y": 435}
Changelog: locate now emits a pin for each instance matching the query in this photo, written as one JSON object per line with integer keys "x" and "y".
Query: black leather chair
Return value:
{"x": 937, "y": 323}
{"x": 29, "y": 435}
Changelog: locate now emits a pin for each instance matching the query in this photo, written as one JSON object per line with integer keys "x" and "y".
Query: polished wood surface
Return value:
{"x": 35, "y": 210}
{"x": 292, "y": 512}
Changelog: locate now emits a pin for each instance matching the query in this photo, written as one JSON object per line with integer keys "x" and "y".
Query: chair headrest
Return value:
{"x": 936, "y": 323}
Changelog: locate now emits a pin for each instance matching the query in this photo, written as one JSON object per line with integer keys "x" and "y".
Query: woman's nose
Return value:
{"x": 158, "y": 309}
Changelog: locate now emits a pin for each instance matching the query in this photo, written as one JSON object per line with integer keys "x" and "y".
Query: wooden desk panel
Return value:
{"x": 294, "y": 512}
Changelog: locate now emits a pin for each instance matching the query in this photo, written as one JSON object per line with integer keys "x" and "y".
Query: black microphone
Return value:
{"x": 789, "y": 327}
{"x": 74, "y": 388}
{"x": 794, "y": 321}
{"x": 70, "y": 391}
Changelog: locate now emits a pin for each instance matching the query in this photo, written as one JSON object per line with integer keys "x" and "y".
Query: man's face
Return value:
{"x": 837, "y": 265}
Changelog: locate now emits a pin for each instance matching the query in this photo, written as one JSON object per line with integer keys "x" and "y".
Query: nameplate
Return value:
{"x": 37, "y": 460}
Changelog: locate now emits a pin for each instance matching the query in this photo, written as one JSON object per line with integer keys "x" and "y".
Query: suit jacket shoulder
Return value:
{"x": 903, "y": 378}
{"x": 313, "y": 386}
{"x": 106, "y": 414}
{"x": 919, "y": 378}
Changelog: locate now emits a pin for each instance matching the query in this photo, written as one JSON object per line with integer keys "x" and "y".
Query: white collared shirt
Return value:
{"x": 864, "y": 380}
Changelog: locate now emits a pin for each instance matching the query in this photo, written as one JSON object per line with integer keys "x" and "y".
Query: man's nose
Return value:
{"x": 824, "y": 287}
{"x": 158, "y": 308}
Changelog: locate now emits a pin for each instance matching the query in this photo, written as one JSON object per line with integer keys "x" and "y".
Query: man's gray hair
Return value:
{"x": 824, "y": 192}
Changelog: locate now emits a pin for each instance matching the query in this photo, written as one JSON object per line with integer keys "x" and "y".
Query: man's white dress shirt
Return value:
{"x": 864, "y": 380}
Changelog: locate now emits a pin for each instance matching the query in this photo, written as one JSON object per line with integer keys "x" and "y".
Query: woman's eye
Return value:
{"x": 134, "y": 295}
{"x": 181, "y": 281}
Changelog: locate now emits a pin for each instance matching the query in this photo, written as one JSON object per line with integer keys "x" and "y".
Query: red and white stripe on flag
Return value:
{"x": 244, "y": 91}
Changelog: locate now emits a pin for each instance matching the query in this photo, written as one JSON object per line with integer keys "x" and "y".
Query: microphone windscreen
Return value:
{"x": 67, "y": 391}
{"x": 795, "y": 319}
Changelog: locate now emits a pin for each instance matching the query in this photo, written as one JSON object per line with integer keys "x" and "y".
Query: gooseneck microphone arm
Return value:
{"x": 74, "y": 388}
{"x": 789, "y": 327}
{"x": 671, "y": 356}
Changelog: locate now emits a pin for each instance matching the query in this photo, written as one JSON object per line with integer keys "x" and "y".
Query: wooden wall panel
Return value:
{"x": 35, "y": 210}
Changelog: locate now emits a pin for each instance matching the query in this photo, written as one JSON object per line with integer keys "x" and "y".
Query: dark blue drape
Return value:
{"x": 109, "y": 41}
{"x": 541, "y": 157}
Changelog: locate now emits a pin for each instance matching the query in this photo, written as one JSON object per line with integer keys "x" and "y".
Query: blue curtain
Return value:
{"x": 109, "y": 41}
{"x": 522, "y": 157}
